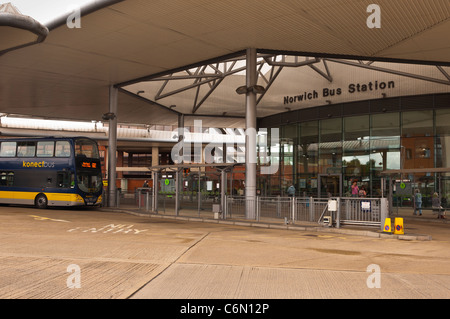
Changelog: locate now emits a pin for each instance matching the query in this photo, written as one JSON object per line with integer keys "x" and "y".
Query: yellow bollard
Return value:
{"x": 398, "y": 228}
{"x": 387, "y": 226}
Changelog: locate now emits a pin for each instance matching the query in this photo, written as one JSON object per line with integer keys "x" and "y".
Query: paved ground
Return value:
{"x": 120, "y": 255}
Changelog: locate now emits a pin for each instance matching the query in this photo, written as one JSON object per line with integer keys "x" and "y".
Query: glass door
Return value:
{"x": 329, "y": 185}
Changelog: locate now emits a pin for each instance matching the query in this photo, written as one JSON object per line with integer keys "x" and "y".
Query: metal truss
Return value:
{"x": 269, "y": 67}
{"x": 368, "y": 65}
{"x": 212, "y": 75}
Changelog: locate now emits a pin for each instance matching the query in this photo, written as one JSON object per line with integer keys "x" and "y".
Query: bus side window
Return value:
{"x": 62, "y": 149}
{"x": 62, "y": 179}
{"x": 8, "y": 149}
{"x": 45, "y": 149}
{"x": 26, "y": 149}
{"x": 6, "y": 178}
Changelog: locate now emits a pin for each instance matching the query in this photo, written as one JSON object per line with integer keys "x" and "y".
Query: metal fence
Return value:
{"x": 363, "y": 211}
{"x": 333, "y": 212}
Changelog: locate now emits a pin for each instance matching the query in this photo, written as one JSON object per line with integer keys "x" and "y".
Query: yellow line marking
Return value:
{"x": 46, "y": 218}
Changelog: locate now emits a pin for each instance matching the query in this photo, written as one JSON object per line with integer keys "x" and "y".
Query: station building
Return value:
{"x": 333, "y": 107}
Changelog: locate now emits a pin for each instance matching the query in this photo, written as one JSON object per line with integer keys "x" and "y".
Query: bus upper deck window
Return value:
{"x": 86, "y": 148}
{"x": 62, "y": 149}
{"x": 8, "y": 149}
{"x": 26, "y": 149}
{"x": 45, "y": 149}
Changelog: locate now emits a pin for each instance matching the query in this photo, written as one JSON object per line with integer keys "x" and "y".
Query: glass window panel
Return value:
{"x": 6, "y": 178}
{"x": 308, "y": 147}
{"x": 443, "y": 151}
{"x": 62, "y": 149}
{"x": 443, "y": 122}
{"x": 386, "y": 124}
{"x": 26, "y": 149}
{"x": 45, "y": 149}
{"x": 356, "y": 127}
{"x": 417, "y": 123}
{"x": 331, "y": 130}
{"x": 330, "y": 152}
{"x": 290, "y": 131}
{"x": 87, "y": 148}
{"x": 385, "y": 153}
{"x": 8, "y": 149}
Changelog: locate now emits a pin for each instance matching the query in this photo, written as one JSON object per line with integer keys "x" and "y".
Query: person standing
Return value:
{"x": 355, "y": 189}
{"x": 291, "y": 191}
{"x": 362, "y": 192}
{"x": 417, "y": 202}
{"x": 436, "y": 205}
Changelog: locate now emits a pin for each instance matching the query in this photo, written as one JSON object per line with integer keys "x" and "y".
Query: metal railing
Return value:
{"x": 346, "y": 211}
{"x": 332, "y": 212}
{"x": 287, "y": 209}
{"x": 361, "y": 211}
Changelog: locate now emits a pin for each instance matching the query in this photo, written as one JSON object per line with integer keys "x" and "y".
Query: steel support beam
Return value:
{"x": 155, "y": 191}
{"x": 112, "y": 147}
{"x": 223, "y": 189}
{"x": 250, "y": 147}
{"x": 177, "y": 192}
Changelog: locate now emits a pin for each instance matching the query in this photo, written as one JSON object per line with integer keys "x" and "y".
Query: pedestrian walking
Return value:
{"x": 417, "y": 202}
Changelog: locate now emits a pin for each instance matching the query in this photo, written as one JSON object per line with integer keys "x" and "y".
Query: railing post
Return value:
{"x": 384, "y": 211}
{"x": 338, "y": 213}
{"x": 117, "y": 198}
{"x": 311, "y": 209}
{"x": 258, "y": 209}
{"x": 225, "y": 208}
{"x": 139, "y": 198}
{"x": 278, "y": 206}
{"x": 293, "y": 210}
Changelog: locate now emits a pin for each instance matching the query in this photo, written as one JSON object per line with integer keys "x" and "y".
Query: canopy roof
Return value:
{"x": 68, "y": 75}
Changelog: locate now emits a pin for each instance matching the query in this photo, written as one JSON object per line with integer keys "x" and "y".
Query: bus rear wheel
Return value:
{"x": 41, "y": 201}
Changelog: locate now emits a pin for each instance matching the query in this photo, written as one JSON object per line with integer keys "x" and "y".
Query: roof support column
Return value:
{"x": 250, "y": 136}
{"x": 112, "y": 146}
{"x": 178, "y": 176}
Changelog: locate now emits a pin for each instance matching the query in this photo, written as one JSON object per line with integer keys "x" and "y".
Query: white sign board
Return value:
{"x": 332, "y": 205}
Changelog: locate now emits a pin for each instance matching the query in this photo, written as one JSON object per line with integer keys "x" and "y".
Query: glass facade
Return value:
{"x": 323, "y": 157}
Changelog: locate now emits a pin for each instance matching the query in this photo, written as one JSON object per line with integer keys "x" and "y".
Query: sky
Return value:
{"x": 45, "y": 11}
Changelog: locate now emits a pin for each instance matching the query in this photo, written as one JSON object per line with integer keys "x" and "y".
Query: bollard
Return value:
{"x": 398, "y": 227}
{"x": 387, "y": 225}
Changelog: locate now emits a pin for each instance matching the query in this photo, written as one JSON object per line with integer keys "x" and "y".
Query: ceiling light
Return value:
{"x": 257, "y": 89}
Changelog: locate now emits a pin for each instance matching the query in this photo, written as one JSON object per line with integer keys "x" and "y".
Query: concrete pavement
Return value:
{"x": 125, "y": 256}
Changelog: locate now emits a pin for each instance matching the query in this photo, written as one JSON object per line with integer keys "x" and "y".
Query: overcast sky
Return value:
{"x": 45, "y": 11}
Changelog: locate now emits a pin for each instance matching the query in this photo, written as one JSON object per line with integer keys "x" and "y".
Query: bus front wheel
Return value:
{"x": 41, "y": 201}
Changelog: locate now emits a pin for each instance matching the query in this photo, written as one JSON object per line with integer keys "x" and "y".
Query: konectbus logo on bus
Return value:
{"x": 41, "y": 164}
{"x": 227, "y": 148}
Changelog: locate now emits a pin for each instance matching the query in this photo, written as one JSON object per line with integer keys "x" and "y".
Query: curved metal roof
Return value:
{"x": 68, "y": 75}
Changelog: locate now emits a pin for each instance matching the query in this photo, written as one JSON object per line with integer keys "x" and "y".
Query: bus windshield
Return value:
{"x": 89, "y": 181}
{"x": 86, "y": 148}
